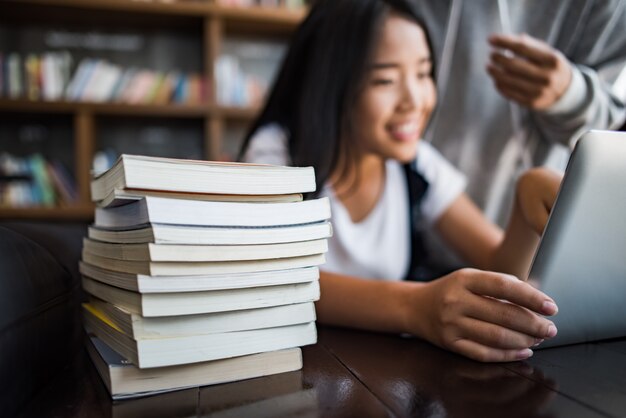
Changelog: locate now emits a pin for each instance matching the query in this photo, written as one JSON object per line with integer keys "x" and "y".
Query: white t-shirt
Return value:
{"x": 378, "y": 246}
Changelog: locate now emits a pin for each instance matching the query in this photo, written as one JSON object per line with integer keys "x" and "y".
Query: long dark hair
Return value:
{"x": 320, "y": 77}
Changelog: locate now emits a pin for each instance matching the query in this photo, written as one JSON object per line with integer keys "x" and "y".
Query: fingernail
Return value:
{"x": 524, "y": 354}
{"x": 549, "y": 308}
{"x": 538, "y": 341}
{"x": 551, "y": 331}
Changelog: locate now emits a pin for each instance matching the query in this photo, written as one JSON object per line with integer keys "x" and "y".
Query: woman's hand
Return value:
{"x": 537, "y": 189}
{"x": 528, "y": 70}
{"x": 487, "y": 316}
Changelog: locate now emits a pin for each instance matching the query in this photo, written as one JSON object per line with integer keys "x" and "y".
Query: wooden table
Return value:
{"x": 359, "y": 374}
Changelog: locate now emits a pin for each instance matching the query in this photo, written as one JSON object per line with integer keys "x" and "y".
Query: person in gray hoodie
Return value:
{"x": 519, "y": 82}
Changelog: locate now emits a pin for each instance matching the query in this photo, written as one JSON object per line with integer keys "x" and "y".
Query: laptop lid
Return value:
{"x": 581, "y": 259}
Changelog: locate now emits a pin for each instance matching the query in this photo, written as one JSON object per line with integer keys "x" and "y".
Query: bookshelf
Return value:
{"x": 197, "y": 25}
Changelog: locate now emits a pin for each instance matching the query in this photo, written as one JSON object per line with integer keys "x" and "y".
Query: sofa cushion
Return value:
{"x": 39, "y": 322}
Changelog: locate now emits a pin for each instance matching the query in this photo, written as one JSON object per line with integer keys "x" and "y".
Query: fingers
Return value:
{"x": 503, "y": 286}
{"x": 526, "y": 46}
{"x": 514, "y": 87}
{"x": 495, "y": 336}
{"x": 483, "y": 353}
{"x": 528, "y": 327}
{"x": 520, "y": 69}
{"x": 528, "y": 71}
{"x": 515, "y": 81}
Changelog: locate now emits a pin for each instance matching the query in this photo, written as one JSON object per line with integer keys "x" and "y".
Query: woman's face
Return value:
{"x": 398, "y": 94}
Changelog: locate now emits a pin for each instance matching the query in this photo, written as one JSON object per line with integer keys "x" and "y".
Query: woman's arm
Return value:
{"x": 484, "y": 245}
{"x": 482, "y": 315}
{"x": 536, "y": 192}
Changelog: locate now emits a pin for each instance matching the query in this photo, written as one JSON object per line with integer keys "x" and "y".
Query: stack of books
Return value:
{"x": 200, "y": 272}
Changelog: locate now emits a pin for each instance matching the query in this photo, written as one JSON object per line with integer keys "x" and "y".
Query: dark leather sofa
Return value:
{"x": 40, "y": 296}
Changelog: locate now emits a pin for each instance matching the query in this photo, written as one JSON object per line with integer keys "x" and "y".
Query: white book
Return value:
{"x": 141, "y": 328}
{"x": 160, "y": 268}
{"x": 206, "y": 235}
{"x": 163, "y": 210}
{"x": 125, "y": 380}
{"x": 155, "y": 173}
{"x": 119, "y": 197}
{"x": 98, "y": 74}
{"x": 172, "y": 284}
{"x": 109, "y": 78}
{"x": 161, "y": 352}
{"x": 52, "y": 77}
{"x": 202, "y": 253}
{"x": 190, "y": 303}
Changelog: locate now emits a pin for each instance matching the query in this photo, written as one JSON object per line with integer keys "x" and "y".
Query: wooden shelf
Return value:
{"x": 255, "y": 14}
{"x": 40, "y": 213}
{"x": 105, "y": 109}
{"x": 193, "y": 21}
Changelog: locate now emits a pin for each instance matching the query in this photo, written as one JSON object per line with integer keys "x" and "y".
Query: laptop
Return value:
{"x": 581, "y": 259}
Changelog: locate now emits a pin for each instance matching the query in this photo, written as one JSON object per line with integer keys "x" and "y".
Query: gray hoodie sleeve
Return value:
{"x": 597, "y": 48}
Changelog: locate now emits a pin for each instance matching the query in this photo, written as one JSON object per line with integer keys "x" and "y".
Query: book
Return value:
{"x": 118, "y": 197}
{"x": 139, "y": 327}
{"x": 172, "y": 284}
{"x": 183, "y": 234}
{"x": 202, "y": 253}
{"x": 157, "y": 268}
{"x": 161, "y": 352}
{"x": 200, "y": 213}
{"x": 189, "y": 303}
{"x": 154, "y": 173}
{"x": 125, "y": 380}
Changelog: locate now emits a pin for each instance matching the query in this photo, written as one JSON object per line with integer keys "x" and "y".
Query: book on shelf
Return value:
{"x": 173, "y": 284}
{"x": 140, "y": 327}
{"x": 191, "y": 303}
{"x": 162, "y": 210}
{"x": 64, "y": 185}
{"x": 35, "y": 181}
{"x": 177, "y": 175}
{"x": 159, "y": 352}
{"x": 32, "y": 71}
{"x": 125, "y": 380}
{"x": 100, "y": 85}
{"x": 205, "y": 235}
{"x": 80, "y": 78}
{"x": 203, "y": 253}
{"x": 14, "y": 76}
{"x": 43, "y": 188}
{"x": 156, "y": 268}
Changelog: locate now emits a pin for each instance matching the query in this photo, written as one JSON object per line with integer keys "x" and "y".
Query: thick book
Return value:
{"x": 189, "y": 303}
{"x": 160, "y": 352}
{"x": 162, "y": 210}
{"x": 198, "y": 235}
{"x": 118, "y": 197}
{"x": 157, "y": 268}
{"x": 173, "y": 284}
{"x": 203, "y": 253}
{"x": 125, "y": 380}
{"x": 139, "y": 327}
{"x": 154, "y": 173}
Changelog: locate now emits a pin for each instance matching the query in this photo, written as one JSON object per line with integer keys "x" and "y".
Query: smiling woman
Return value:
{"x": 352, "y": 99}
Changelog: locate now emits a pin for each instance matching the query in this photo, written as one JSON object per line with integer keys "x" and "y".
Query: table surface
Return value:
{"x": 361, "y": 374}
